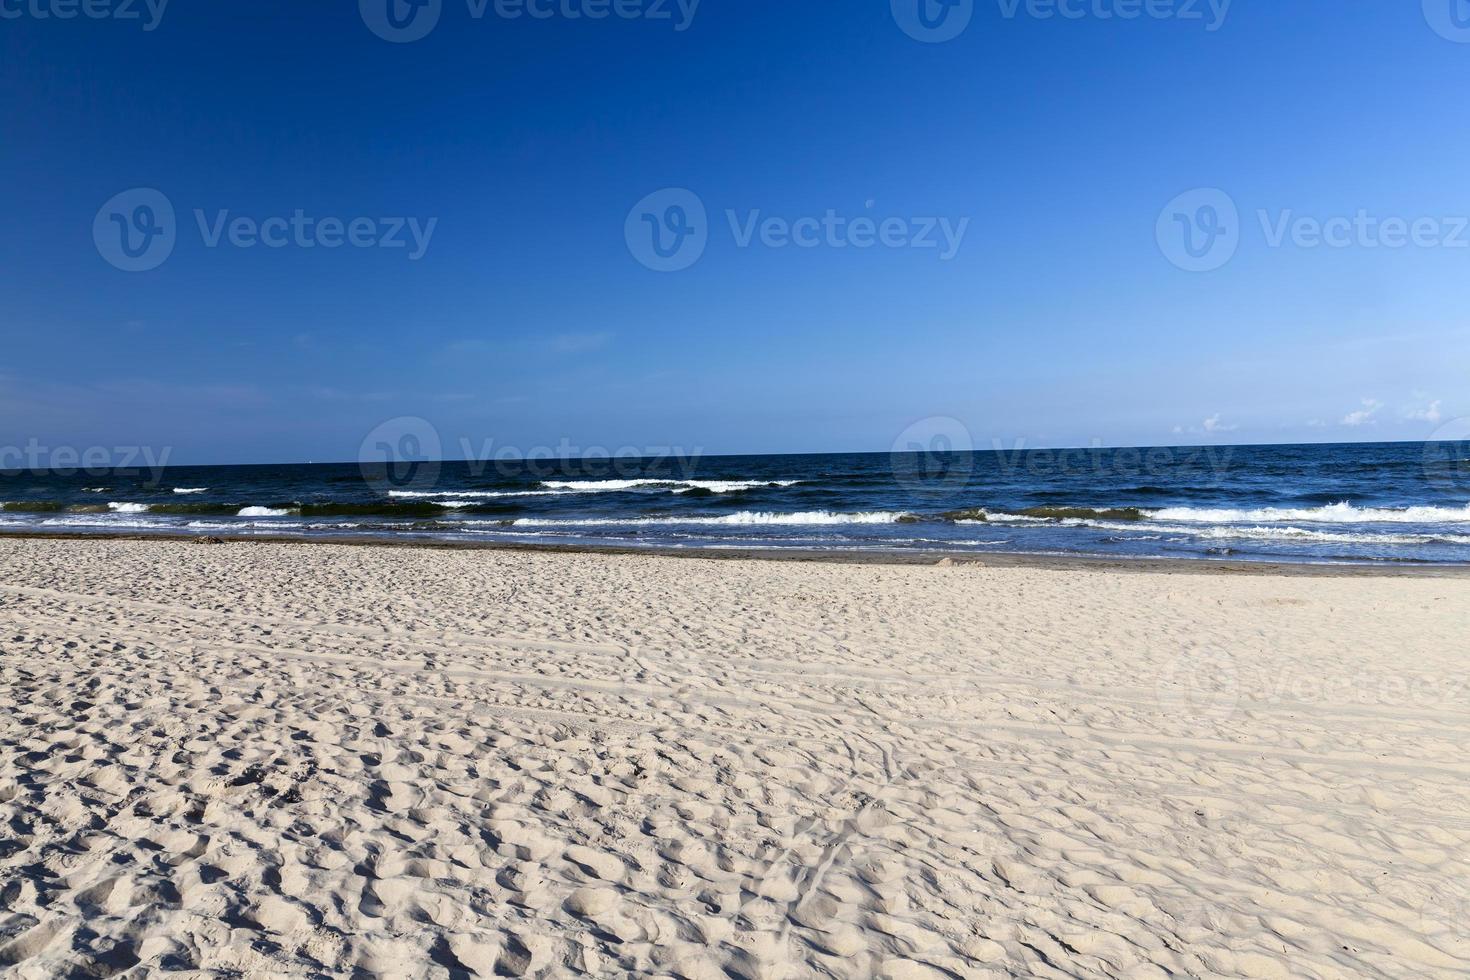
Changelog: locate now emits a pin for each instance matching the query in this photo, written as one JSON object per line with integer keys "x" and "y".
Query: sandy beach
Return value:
{"x": 269, "y": 759}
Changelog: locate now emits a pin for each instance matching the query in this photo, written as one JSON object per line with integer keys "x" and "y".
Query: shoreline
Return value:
{"x": 1043, "y": 562}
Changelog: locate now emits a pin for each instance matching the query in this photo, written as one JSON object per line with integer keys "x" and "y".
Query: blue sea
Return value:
{"x": 1374, "y": 503}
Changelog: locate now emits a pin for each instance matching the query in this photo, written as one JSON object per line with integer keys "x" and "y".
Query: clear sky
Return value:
{"x": 1060, "y": 310}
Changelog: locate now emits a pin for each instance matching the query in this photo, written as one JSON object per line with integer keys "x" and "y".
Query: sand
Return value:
{"x": 289, "y": 760}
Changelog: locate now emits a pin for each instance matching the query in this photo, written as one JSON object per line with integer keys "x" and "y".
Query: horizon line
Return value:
{"x": 699, "y": 454}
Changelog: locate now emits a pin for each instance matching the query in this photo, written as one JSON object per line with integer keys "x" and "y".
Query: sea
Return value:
{"x": 1402, "y": 503}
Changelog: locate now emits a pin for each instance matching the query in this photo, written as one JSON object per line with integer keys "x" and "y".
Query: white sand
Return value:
{"x": 279, "y": 760}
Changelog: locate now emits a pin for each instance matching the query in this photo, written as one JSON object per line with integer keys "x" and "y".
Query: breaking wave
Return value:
{"x": 744, "y": 518}
{"x": 672, "y": 486}
{"x": 1342, "y": 513}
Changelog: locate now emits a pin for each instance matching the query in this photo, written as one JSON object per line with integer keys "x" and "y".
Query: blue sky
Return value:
{"x": 519, "y": 148}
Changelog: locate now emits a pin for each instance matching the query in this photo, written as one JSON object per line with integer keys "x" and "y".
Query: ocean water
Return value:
{"x": 1397, "y": 502}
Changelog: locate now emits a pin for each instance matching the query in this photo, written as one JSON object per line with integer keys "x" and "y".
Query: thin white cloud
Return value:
{"x": 580, "y": 343}
{"x": 1364, "y": 415}
{"x": 1430, "y": 413}
{"x": 1209, "y": 426}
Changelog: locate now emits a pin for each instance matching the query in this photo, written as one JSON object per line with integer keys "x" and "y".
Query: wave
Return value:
{"x": 1303, "y": 534}
{"x": 473, "y": 494}
{"x": 90, "y": 520}
{"x": 267, "y": 526}
{"x": 979, "y": 515}
{"x": 1263, "y": 533}
{"x": 33, "y": 506}
{"x": 1340, "y": 513}
{"x": 673, "y": 486}
{"x": 744, "y": 518}
{"x": 190, "y": 489}
{"x": 383, "y": 509}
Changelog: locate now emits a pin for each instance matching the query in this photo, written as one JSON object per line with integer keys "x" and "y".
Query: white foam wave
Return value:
{"x": 472, "y": 494}
{"x": 744, "y": 518}
{"x": 732, "y": 486}
{"x": 1343, "y": 513}
{"x": 674, "y": 486}
{"x": 96, "y": 520}
{"x": 1262, "y": 533}
{"x": 190, "y": 489}
{"x": 264, "y": 512}
{"x": 266, "y": 526}
{"x": 1000, "y": 517}
{"x": 1304, "y": 534}
{"x": 126, "y": 508}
